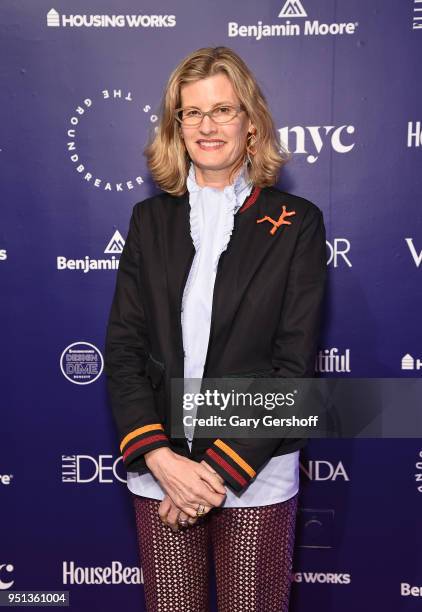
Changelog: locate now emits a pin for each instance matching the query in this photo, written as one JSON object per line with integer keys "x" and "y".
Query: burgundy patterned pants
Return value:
{"x": 252, "y": 550}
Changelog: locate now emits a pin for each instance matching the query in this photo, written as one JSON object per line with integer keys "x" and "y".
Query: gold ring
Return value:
{"x": 201, "y": 510}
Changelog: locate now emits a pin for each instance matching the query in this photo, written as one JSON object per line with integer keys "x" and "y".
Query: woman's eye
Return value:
{"x": 191, "y": 113}
{"x": 222, "y": 110}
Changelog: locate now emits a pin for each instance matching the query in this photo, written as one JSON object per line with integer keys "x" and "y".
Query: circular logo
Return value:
{"x": 81, "y": 363}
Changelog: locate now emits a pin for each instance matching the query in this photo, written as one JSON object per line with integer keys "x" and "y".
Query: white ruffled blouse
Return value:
{"x": 211, "y": 225}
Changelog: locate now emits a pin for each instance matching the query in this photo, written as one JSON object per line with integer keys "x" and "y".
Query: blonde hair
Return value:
{"x": 166, "y": 154}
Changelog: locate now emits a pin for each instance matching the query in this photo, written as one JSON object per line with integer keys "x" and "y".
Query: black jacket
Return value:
{"x": 265, "y": 319}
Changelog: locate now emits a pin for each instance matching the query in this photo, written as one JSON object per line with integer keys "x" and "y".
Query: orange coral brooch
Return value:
{"x": 280, "y": 221}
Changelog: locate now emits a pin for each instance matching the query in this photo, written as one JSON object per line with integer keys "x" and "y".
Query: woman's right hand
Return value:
{"x": 187, "y": 482}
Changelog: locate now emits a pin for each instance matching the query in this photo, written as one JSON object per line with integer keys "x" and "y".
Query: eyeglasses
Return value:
{"x": 192, "y": 117}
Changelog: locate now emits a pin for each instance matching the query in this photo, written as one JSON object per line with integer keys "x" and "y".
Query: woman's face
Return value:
{"x": 230, "y": 137}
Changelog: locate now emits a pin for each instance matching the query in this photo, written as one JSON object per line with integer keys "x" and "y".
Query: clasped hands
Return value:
{"x": 188, "y": 484}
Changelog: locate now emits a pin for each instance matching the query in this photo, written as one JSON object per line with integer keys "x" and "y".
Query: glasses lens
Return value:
{"x": 190, "y": 116}
{"x": 223, "y": 114}
{"x": 220, "y": 114}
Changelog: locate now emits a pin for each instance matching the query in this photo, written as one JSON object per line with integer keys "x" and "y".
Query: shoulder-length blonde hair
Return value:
{"x": 166, "y": 154}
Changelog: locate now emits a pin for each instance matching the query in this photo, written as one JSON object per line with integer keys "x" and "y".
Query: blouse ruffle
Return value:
{"x": 231, "y": 197}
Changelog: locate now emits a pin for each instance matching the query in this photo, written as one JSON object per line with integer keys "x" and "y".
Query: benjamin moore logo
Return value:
{"x": 55, "y": 20}
{"x": 292, "y": 9}
{"x": 5, "y": 479}
{"x": 83, "y": 469}
{"x": 5, "y": 584}
{"x": 81, "y": 363}
{"x": 310, "y": 140}
{"x": 86, "y": 264}
{"x": 116, "y": 243}
{"x": 410, "y": 363}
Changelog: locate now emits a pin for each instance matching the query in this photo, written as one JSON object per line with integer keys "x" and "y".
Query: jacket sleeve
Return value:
{"x": 293, "y": 354}
{"x": 126, "y": 355}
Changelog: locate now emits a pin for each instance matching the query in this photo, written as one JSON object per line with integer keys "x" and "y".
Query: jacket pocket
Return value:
{"x": 154, "y": 370}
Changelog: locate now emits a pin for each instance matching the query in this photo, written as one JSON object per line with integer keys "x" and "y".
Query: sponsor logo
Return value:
{"x": 417, "y": 14}
{"x": 5, "y": 569}
{"x": 414, "y": 132}
{"x": 81, "y": 363}
{"x": 120, "y": 109}
{"x": 338, "y": 250}
{"x": 322, "y": 578}
{"x": 417, "y": 257}
{"x": 116, "y": 243}
{"x": 330, "y": 360}
{"x": 310, "y": 140}
{"x": 56, "y": 20}
{"x": 418, "y": 474}
{"x": 300, "y": 26}
{"x": 114, "y": 574}
{"x": 406, "y": 589}
{"x": 83, "y": 469}
{"x": 3, "y": 254}
{"x": 6, "y": 479}
{"x": 410, "y": 363}
{"x": 324, "y": 470}
{"x": 87, "y": 264}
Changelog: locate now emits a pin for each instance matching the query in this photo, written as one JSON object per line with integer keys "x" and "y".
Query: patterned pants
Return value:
{"x": 252, "y": 550}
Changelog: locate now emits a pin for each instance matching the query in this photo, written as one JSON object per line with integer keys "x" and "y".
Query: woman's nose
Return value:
{"x": 207, "y": 124}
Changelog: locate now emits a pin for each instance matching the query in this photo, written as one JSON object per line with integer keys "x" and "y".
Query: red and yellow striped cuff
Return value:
{"x": 142, "y": 440}
{"x": 229, "y": 464}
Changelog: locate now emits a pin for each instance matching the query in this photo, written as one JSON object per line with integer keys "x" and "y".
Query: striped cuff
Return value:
{"x": 142, "y": 440}
{"x": 235, "y": 471}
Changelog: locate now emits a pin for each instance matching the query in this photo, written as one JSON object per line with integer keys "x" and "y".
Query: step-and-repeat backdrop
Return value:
{"x": 80, "y": 89}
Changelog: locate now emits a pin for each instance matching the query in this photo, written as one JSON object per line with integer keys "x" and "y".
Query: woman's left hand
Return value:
{"x": 170, "y": 514}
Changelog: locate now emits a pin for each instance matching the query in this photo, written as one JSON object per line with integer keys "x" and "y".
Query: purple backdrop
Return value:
{"x": 78, "y": 98}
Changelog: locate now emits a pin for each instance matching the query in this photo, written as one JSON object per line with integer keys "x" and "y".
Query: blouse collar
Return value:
{"x": 235, "y": 192}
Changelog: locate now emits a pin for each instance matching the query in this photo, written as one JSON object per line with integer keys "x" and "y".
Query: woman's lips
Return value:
{"x": 210, "y": 145}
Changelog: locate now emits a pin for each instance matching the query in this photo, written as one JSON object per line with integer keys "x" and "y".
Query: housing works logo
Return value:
{"x": 292, "y": 9}
{"x": 408, "y": 362}
{"x": 55, "y": 20}
{"x": 86, "y": 264}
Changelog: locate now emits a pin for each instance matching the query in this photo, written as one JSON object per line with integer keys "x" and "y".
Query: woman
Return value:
{"x": 221, "y": 274}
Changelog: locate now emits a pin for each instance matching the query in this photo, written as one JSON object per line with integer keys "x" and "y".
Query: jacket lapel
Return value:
{"x": 248, "y": 247}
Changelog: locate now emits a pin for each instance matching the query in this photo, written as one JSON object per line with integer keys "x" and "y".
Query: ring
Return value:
{"x": 183, "y": 522}
{"x": 201, "y": 510}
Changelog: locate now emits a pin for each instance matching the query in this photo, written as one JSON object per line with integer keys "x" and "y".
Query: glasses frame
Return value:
{"x": 239, "y": 108}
